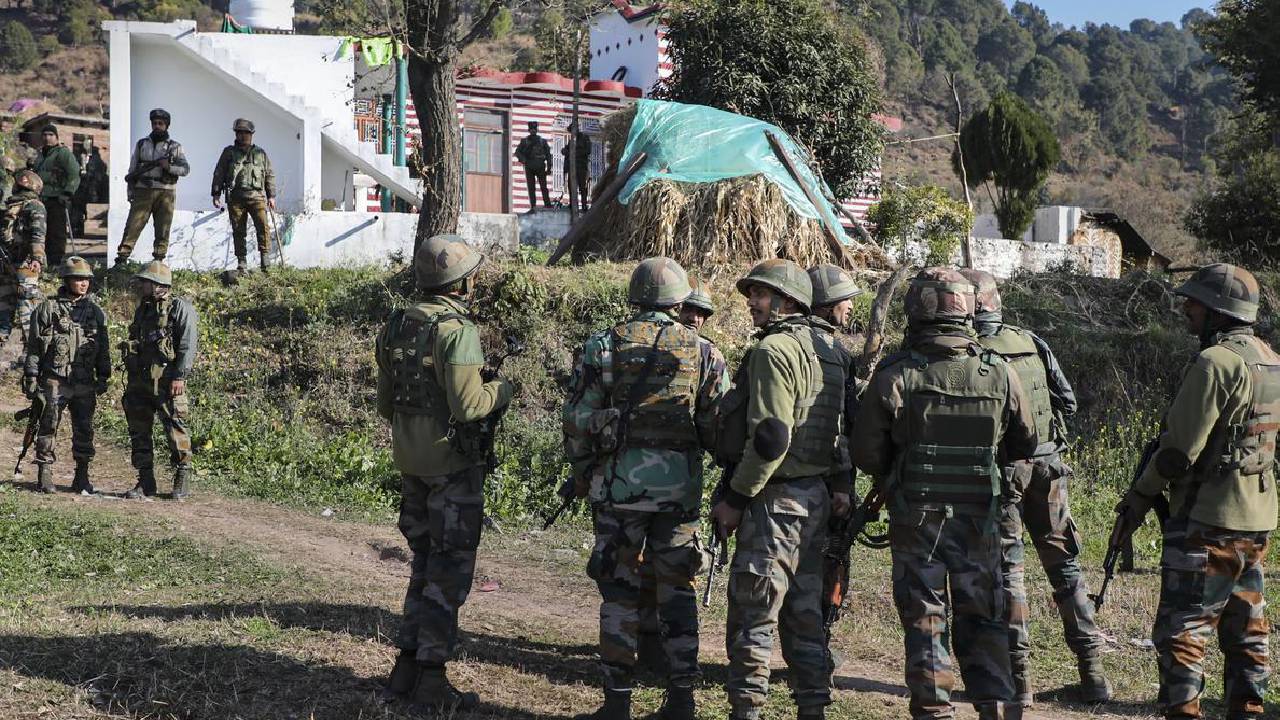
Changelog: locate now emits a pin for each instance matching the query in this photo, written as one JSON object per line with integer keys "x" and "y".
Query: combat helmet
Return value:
{"x": 658, "y": 282}
{"x": 939, "y": 294}
{"x": 783, "y": 276}
{"x": 987, "y": 305}
{"x": 157, "y": 272}
{"x": 30, "y": 180}
{"x": 831, "y": 285}
{"x": 242, "y": 125}
{"x": 1227, "y": 289}
{"x": 443, "y": 260}
{"x": 700, "y": 297}
{"x": 75, "y": 267}
{"x": 7, "y": 164}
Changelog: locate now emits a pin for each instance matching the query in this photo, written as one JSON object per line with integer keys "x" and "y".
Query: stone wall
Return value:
{"x": 1003, "y": 258}
{"x": 544, "y": 228}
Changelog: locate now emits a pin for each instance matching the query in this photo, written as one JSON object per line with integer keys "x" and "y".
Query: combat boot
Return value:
{"x": 182, "y": 482}
{"x": 617, "y": 706}
{"x": 812, "y": 713}
{"x": 242, "y": 266}
{"x": 432, "y": 692}
{"x": 146, "y": 486}
{"x": 45, "y": 478}
{"x": 1094, "y": 686}
{"x": 81, "y": 482}
{"x": 999, "y": 711}
{"x": 679, "y": 704}
{"x": 264, "y": 267}
{"x": 404, "y": 674}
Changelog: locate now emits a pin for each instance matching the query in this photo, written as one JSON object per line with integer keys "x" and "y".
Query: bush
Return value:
{"x": 17, "y": 47}
{"x": 925, "y": 215}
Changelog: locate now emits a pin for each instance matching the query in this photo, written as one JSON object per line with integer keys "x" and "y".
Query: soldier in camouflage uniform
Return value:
{"x": 8, "y": 170}
{"x": 1216, "y": 459}
{"x": 778, "y": 437}
{"x": 936, "y": 424}
{"x": 22, "y": 230}
{"x": 640, "y": 412}
{"x": 1038, "y": 502}
{"x": 60, "y": 174}
{"x": 156, "y": 165}
{"x": 68, "y": 362}
{"x": 431, "y": 390}
{"x": 697, "y": 308}
{"x": 158, "y": 357}
{"x": 244, "y": 173}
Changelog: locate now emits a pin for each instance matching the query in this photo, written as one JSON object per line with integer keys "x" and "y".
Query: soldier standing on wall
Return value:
{"x": 535, "y": 154}
{"x": 244, "y": 173}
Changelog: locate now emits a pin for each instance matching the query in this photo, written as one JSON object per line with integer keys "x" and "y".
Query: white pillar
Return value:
{"x": 119, "y": 48}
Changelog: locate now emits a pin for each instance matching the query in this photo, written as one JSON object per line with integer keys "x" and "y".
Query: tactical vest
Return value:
{"x": 1020, "y": 352}
{"x": 248, "y": 170}
{"x": 69, "y": 344}
{"x": 652, "y": 374}
{"x": 147, "y": 150}
{"x": 409, "y": 352}
{"x": 953, "y": 407}
{"x": 150, "y": 348}
{"x": 1248, "y": 449}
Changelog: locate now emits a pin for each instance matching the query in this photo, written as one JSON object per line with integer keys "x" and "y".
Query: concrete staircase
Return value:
{"x": 338, "y": 135}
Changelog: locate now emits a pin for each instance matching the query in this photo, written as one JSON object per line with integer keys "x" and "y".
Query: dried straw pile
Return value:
{"x": 700, "y": 224}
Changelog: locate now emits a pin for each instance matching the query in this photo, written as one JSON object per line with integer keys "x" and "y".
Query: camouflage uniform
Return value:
{"x": 431, "y": 390}
{"x": 161, "y": 349}
{"x": 246, "y": 176}
{"x": 1216, "y": 460}
{"x": 778, "y": 429}
{"x": 60, "y": 173}
{"x": 68, "y": 361}
{"x": 1038, "y": 502}
{"x": 22, "y": 230}
{"x": 151, "y": 195}
{"x": 641, "y": 409}
{"x": 534, "y": 154}
{"x": 937, "y": 421}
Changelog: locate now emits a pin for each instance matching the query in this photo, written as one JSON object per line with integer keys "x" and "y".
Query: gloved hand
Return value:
{"x": 30, "y": 386}
{"x": 1135, "y": 506}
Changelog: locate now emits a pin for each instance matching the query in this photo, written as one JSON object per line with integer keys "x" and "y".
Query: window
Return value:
{"x": 482, "y": 152}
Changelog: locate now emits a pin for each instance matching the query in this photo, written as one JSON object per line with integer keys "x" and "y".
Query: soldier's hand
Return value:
{"x": 727, "y": 518}
{"x": 177, "y": 388}
{"x": 36, "y": 264}
{"x": 217, "y": 201}
{"x": 29, "y": 385}
{"x": 163, "y": 164}
{"x": 271, "y": 203}
{"x": 1135, "y": 506}
{"x": 841, "y": 504}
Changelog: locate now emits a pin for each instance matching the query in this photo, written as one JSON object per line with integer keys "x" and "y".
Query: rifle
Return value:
{"x": 32, "y": 415}
{"x": 478, "y": 437}
{"x": 719, "y": 543}
{"x": 568, "y": 494}
{"x": 844, "y": 532}
{"x": 144, "y": 168}
{"x": 1121, "y": 540}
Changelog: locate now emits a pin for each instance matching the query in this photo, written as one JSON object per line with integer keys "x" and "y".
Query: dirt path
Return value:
{"x": 541, "y": 593}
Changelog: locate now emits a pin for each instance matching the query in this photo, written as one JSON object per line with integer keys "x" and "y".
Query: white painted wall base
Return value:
{"x": 544, "y": 228}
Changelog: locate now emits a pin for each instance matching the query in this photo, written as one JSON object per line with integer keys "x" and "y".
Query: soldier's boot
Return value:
{"x": 81, "y": 482}
{"x": 263, "y": 265}
{"x": 679, "y": 704}
{"x": 242, "y": 265}
{"x": 999, "y": 711}
{"x": 1094, "y": 686}
{"x": 182, "y": 482}
{"x": 432, "y": 692}
{"x": 404, "y": 674}
{"x": 146, "y": 486}
{"x": 1022, "y": 693}
{"x": 617, "y": 706}
{"x": 45, "y": 478}
{"x": 811, "y": 713}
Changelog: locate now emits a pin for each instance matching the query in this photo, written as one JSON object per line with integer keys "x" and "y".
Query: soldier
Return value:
{"x": 244, "y": 173}
{"x": 158, "y": 357}
{"x": 696, "y": 308}
{"x": 60, "y": 172}
{"x": 778, "y": 439}
{"x": 1041, "y": 506}
{"x": 68, "y": 363}
{"x": 938, "y": 420}
{"x": 535, "y": 154}
{"x": 1216, "y": 459}
{"x": 582, "y": 164}
{"x": 23, "y": 231}
{"x": 431, "y": 389}
{"x": 154, "y": 169}
{"x": 641, "y": 410}
{"x": 7, "y": 175}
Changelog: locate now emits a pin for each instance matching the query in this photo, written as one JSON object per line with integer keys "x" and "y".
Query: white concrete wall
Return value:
{"x": 617, "y": 43}
{"x": 1052, "y": 224}
{"x": 305, "y": 64}
{"x": 1004, "y": 258}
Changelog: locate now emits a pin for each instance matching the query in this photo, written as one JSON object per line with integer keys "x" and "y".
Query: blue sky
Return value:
{"x": 1116, "y": 12}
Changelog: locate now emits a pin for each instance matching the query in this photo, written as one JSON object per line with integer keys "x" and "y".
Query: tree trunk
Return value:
{"x": 431, "y": 83}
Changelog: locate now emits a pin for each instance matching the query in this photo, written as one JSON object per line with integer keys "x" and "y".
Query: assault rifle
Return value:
{"x": 144, "y": 168}
{"x": 476, "y": 439}
{"x": 844, "y": 532}
{"x": 719, "y": 542}
{"x": 568, "y": 493}
{"x": 32, "y": 415}
{"x": 1121, "y": 542}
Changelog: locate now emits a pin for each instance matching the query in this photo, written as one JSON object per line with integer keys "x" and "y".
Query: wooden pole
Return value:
{"x": 833, "y": 240}
{"x": 874, "y": 346}
{"x": 966, "y": 252}
{"x": 576, "y": 232}
{"x": 572, "y": 157}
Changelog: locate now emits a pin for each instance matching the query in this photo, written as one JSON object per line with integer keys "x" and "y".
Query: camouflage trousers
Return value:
{"x": 775, "y": 581}
{"x": 941, "y": 561}
{"x": 1045, "y": 514}
{"x": 1211, "y": 578}
{"x": 157, "y": 205}
{"x": 19, "y": 295}
{"x": 142, "y": 404}
{"x": 82, "y": 401}
{"x": 441, "y": 517}
{"x": 239, "y": 212}
{"x": 668, "y": 543}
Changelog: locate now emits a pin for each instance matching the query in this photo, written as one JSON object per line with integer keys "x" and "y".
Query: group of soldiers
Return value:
{"x": 961, "y": 431}
{"x": 534, "y": 153}
{"x": 242, "y": 178}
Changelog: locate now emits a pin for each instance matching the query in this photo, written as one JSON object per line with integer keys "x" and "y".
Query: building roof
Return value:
{"x": 56, "y": 118}
{"x": 1132, "y": 244}
{"x": 547, "y": 81}
{"x": 635, "y": 12}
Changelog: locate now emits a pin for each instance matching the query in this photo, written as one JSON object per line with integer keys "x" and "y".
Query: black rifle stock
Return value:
{"x": 568, "y": 494}
{"x": 32, "y": 415}
{"x": 719, "y": 541}
{"x": 1120, "y": 544}
{"x": 836, "y": 561}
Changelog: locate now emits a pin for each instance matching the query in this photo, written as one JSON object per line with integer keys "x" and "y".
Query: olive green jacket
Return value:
{"x": 419, "y": 443}
{"x": 1216, "y": 392}
{"x": 58, "y": 168}
{"x": 244, "y": 173}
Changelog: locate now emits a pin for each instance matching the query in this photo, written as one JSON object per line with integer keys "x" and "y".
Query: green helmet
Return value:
{"x": 74, "y": 266}
{"x": 658, "y": 282}
{"x": 157, "y": 272}
{"x": 28, "y": 179}
{"x": 242, "y": 125}
{"x": 700, "y": 296}
{"x": 444, "y": 260}
{"x": 783, "y": 276}
{"x": 831, "y": 285}
{"x": 939, "y": 294}
{"x": 1226, "y": 289}
{"x": 987, "y": 304}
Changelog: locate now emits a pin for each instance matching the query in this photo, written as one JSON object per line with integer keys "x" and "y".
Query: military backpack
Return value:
{"x": 652, "y": 372}
{"x": 1018, "y": 349}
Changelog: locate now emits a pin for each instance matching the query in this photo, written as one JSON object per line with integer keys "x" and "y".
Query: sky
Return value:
{"x": 1116, "y": 12}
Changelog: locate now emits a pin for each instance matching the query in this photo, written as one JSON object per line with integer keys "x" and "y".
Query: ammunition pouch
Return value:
{"x": 602, "y": 427}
